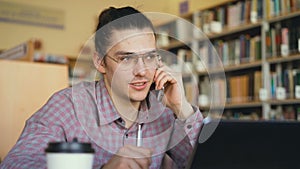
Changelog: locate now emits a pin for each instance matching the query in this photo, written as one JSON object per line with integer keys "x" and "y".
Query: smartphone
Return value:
{"x": 159, "y": 93}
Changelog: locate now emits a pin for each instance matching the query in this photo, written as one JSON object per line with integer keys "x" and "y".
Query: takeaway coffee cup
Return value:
{"x": 69, "y": 155}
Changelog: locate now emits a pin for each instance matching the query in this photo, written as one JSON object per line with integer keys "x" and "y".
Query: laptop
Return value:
{"x": 247, "y": 145}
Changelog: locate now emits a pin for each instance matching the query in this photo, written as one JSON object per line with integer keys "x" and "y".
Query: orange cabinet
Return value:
{"x": 24, "y": 88}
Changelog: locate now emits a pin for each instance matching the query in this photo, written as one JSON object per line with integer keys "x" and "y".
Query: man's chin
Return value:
{"x": 138, "y": 98}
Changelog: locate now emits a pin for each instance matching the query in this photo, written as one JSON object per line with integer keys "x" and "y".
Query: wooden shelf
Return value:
{"x": 226, "y": 31}
{"x": 234, "y": 67}
{"x": 231, "y": 30}
{"x": 253, "y": 104}
{"x": 283, "y": 17}
{"x": 284, "y": 102}
{"x": 234, "y": 105}
{"x": 284, "y": 58}
{"x": 244, "y": 105}
{"x": 243, "y": 66}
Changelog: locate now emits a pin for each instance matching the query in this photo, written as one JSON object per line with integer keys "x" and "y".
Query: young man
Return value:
{"x": 119, "y": 114}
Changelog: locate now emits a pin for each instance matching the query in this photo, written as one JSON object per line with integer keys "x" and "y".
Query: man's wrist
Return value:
{"x": 185, "y": 111}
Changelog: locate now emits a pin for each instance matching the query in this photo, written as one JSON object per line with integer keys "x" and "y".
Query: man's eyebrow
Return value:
{"x": 130, "y": 53}
{"x": 123, "y": 53}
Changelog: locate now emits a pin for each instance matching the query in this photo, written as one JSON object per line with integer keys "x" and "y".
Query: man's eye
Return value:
{"x": 125, "y": 58}
{"x": 150, "y": 56}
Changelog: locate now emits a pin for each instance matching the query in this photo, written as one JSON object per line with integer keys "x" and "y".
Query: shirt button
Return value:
{"x": 189, "y": 126}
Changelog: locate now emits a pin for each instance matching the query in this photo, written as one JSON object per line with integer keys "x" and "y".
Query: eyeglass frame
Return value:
{"x": 136, "y": 57}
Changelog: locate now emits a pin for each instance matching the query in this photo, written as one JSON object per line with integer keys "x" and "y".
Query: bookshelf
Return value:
{"x": 258, "y": 43}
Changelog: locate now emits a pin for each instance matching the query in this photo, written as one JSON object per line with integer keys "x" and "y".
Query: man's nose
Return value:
{"x": 140, "y": 67}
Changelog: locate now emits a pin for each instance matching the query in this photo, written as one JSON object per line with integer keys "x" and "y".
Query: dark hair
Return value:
{"x": 132, "y": 18}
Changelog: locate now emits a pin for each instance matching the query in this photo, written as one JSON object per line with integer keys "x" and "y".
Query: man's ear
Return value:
{"x": 98, "y": 62}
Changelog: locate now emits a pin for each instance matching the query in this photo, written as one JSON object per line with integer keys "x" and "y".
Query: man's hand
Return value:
{"x": 174, "y": 91}
{"x": 130, "y": 157}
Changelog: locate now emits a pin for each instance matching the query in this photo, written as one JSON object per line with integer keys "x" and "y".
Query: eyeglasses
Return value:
{"x": 128, "y": 61}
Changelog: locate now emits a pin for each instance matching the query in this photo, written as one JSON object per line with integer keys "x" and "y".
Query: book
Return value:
{"x": 287, "y": 82}
{"x": 284, "y": 48}
{"x": 258, "y": 47}
{"x": 273, "y": 43}
{"x": 257, "y": 84}
{"x": 239, "y": 88}
{"x": 278, "y": 38}
{"x": 23, "y": 51}
{"x": 268, "y": 43}
{"x": 254, "y": 12}
{"x": 296, "y": 83}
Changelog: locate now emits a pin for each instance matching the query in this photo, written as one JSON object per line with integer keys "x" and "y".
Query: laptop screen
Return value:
{"x": 248, "y": 145}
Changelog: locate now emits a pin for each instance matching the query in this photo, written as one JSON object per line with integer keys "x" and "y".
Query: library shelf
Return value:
{"x": 242, "y": 66}
{"x": 230, "y": 68}
{"x": 283, "y": 16}
{"x": 249, "y": 104}
{"x": 283, "y": 102}
{"x": 235, "y": 29}
{"x": 276, "y": 59}
{"x": 244, "y": 105}
{"x": 281, "y": 59}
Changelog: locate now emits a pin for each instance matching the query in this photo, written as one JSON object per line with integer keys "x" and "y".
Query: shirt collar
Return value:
{"x": 106, "y": 109}
{"x": 107, "y": 112}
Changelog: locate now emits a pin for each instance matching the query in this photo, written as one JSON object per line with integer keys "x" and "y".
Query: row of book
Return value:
{"x": 234, "y": 89}
{"x": 281, "y": 7}
{"x": 225, "y": 16}
{"x": 282, "y": 113}
{"x": 229, "y": 15}
{"x": 285, "y": 84}
{"x": 50, "y": 58}
{"x": 282, "y": 39}
{"x": 211, "y": 20}
{"x": 242, "y": 50}
{"x": 243, "y": 12}
{"x": 234, "y": 114}
{"x": 245, "y": 49}
{"x": 288, "y": 112}
{"x": 246, "y": 88}
{"x": 179, "y": 29}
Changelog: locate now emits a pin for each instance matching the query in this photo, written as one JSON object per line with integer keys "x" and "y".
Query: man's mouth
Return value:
{"x": 138, "y": 85}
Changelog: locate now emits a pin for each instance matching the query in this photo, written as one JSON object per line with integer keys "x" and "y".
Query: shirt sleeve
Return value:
{"x": 43, "y": 127}
{"x": 184, "y": 138}
{"x": 192, "y": 126}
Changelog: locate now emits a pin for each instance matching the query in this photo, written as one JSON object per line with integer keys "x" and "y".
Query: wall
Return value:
{"x": 80, "y": 22}
{"x": 198, "y": 4}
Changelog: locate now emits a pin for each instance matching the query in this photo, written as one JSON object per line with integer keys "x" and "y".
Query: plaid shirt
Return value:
{"x": 86, "y": 112}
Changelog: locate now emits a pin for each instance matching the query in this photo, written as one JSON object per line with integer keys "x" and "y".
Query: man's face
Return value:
{"x": 132, "y": 83}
